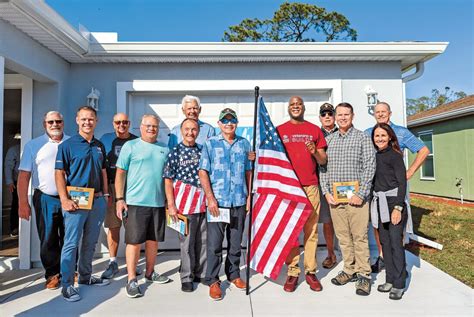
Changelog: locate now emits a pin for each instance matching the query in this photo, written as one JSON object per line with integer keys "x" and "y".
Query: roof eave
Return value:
{"x": 465, "y": 111}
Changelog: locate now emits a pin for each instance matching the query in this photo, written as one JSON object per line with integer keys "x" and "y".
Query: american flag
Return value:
{"x": 189, "y": 199}
{"x": 281, "y": 206}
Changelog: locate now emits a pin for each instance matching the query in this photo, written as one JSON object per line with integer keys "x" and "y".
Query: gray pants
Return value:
{"x": 193, "y": 248}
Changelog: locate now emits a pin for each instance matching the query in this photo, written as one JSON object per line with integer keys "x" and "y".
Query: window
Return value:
{"x": 427, "y": 169}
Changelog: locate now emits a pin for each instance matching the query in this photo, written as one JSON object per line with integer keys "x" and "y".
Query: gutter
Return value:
{"x": 420, "y": 69}
{"x": 442, "y": 116}
{"x": 48, "y": 19}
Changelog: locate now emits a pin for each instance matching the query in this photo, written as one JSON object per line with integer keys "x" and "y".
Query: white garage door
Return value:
{"x": 168, "y": 107}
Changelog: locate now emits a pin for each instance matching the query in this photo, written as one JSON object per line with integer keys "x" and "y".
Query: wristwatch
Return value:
{"x": 399, "y": 208}
{"x": 118, "y": 199}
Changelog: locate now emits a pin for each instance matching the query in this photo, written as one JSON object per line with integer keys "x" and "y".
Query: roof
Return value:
{"x": 43, "y": 24}
{"x": 458, "y": 108}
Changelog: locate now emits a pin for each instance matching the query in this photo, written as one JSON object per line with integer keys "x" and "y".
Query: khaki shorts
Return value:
{"x": 111, "y": 220}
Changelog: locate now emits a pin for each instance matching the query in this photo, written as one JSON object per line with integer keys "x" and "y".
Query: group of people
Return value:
{"x": 138, "y": 182}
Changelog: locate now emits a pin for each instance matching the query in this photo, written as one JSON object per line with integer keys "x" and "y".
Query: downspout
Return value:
{"x": 420, "y": 69}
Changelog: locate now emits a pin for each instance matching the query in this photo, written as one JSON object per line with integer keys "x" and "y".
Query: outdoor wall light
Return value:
{"x": 93, "y": 99}
{"x": 371, "y": 99}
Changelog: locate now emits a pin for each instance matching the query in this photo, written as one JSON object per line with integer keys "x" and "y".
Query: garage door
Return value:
{"x": 167, "y": 106}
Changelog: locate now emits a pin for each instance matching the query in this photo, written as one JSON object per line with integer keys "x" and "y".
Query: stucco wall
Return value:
{"x": 48, "y": 71}
{"x": 453, "y": 157}
{"x": 384, "y": 77}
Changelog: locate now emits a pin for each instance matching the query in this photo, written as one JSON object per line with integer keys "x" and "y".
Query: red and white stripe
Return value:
{"x": 189, "y": 199}
{"x": 280, "y": 211}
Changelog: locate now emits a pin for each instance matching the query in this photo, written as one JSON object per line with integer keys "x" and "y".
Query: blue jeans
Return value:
{"x": 77, "y": 224}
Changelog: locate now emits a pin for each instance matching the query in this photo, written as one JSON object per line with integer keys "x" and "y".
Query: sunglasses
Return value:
{"x": 227, "y": 121}
{"x": 124, "y": 122}
{"x": 327, "y": 113}
{"x": 51, "y": 122}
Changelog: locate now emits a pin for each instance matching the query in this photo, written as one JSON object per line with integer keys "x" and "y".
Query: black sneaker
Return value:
{"x": 111, "y": 271}
{"x": 378, "y": 266}
{"x": 362, "y": 285}
{"x": 133, "y": 290}
{"x": 342, "y": 278}
{"x": 71, "y": 294}
{"x": 94, "y": 280}
{"x": 187, "y": 287}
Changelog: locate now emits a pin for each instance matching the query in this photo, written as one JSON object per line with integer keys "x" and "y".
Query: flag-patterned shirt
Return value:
{"x": 182, "y": 167}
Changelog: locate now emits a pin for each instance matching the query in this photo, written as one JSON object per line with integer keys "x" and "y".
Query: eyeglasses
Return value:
{"x": 327, "y": 113}
{"x": 51, "y": 122}
{"x": 123, "y": 122}
{"x": 227, "y": 121}
{"x": 150, "y": 126}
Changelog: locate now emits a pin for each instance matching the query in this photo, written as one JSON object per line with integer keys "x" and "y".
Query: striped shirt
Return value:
{"x": 351, "y": 157}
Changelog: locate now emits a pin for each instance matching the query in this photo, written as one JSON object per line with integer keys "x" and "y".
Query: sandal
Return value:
{"x": 329, "y": 262}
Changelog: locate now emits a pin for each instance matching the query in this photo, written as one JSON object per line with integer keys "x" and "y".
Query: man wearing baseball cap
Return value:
{"x": 225, "y": 173}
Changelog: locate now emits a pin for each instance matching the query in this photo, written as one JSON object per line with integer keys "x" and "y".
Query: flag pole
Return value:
{"x": 249, "y": 238}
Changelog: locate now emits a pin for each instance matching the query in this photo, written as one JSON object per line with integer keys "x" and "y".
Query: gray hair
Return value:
{"x": 51, "y": 113}
{"x": 145, "y": 116}
{"x": 385, "y": 104}
{"x": 188, "y": 98}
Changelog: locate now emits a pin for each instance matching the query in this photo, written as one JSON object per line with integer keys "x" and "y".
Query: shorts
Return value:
{"x": 144, "y": 223}
{"x": 324, "y": 213}
{"x": 111, "y": 220}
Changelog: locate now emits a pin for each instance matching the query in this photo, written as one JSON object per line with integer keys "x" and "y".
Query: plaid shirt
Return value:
{"x": 351, "y": 157}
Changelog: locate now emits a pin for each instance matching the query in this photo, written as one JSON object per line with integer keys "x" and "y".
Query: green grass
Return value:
{"x": 451, "y": 226}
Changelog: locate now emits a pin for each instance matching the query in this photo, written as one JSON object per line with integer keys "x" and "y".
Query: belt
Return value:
{"x": 381, "y": 197}
{"x": 43, "y": 193}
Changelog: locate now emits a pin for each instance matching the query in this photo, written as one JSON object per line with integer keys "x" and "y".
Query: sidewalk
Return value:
{"x": 431, "y": 292}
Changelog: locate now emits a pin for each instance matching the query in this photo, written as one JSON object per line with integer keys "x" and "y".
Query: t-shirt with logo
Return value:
{"x": 113, "y": 145}
{"x": 144, "y": 163}
{"x": 294, "y": 138}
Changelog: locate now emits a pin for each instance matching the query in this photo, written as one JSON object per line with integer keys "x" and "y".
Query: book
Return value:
{"x": 224, "y": 216}
{"x": 181, "y": 225}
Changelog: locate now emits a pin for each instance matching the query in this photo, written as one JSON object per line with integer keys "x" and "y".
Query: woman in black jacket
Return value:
{"x": 388, "y": 209}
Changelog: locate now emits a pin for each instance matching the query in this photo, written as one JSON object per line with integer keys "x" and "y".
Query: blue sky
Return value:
{"x": 375, "y": 20}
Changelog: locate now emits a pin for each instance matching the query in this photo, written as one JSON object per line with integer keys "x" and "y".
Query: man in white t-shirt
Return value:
{"x": 37, "y": 164}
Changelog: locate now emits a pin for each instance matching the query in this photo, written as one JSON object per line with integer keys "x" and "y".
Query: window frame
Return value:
{"x": 432, "y": 155}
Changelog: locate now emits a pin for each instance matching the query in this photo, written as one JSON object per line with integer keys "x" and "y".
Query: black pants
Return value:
{"x": 215, "y": 238}
{"x": 14, "y": 211}
{"x": 391, "y": 238}
{"x": 49, "y": 222}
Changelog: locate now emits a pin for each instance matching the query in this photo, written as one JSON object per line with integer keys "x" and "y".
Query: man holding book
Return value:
{"x": 185, "y": 197}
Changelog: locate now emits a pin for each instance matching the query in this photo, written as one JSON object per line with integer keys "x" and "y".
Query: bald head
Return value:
{"x": 121, "y": 125}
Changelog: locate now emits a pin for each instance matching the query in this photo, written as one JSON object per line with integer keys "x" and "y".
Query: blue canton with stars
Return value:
{"x": 183, "y": 164}
{"x": 267, "y": 138}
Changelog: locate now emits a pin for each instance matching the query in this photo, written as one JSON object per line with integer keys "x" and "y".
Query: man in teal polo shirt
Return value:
{"x": 140, "y": 163}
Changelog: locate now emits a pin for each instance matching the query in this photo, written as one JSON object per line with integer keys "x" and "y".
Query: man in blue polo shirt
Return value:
{"x": 80, "y": 162}
{"x": 37, "y": 163}
{"x": 406, "y": 140}
{"x": 191, "y": 106}
{"x": 224, "y": 173}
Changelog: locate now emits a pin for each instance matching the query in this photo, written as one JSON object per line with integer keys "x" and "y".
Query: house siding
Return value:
{"x": 453, "y": 142}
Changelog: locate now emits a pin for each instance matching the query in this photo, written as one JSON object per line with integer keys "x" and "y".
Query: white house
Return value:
{"x": 56, "y": 66}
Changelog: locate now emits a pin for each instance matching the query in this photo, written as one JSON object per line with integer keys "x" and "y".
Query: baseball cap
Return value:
{"x": 227, "y": 111}
{"x": 326, "y": 107}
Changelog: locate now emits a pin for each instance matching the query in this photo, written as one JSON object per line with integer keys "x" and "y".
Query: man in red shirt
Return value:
{"x": 306, "y": 148}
